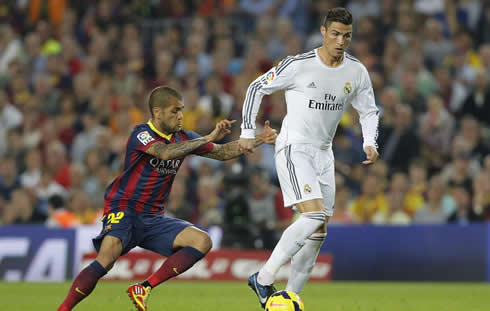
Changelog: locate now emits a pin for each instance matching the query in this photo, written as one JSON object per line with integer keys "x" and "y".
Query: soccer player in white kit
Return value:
{"x": 319, "y": 86}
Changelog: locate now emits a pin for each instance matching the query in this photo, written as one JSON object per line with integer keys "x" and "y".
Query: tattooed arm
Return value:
{"x": 177, "y": 150}
{"x": 232, "y": 150}
{"x": 165, "y": 151}
{"x": 228, "y": 151}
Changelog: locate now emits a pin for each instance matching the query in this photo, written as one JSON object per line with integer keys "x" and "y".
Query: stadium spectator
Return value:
{"x": 9, "y": 179}
{"x": 266, "y": 209}
{"x": 389, "y": 101}
{"x": 31, "y": 176}
{"x": 179, "y": 204}
{"x": 21, "y": 210}
{"x": 481, "y": 197}
{"x": 464, "y": 213}
{"x": 342, "y": 213}
{"x": 10, "y": 117}
{"x": 399, "y": 144}
{"x": 436, "y": 129}
{"x": 394, "y": 214}
{"x": 417, "y": 175}
{"x": 10, "y": 48}
{"x": 209, "y": 204}
{"x": 477, "y": 104}
{"x": 370, "y": 201}
{"x": 216, "y": 102}
{"x": 436, "y": 46}
{"x": 471, "y": 132}
{"x": 438, "y": 206}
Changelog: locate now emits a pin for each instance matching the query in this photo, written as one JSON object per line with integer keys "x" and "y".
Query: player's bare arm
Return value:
{"x": 165, "y": 151}
{"x": 177, "y": 150}
{"x": 232, "y": 150}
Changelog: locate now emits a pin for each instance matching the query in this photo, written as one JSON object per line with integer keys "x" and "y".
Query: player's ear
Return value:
{"x": 157, "y": 110}
{"x": 323, "y": 30}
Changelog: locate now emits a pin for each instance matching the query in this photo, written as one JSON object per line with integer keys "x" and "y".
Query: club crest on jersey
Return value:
{"x": 145, "y": 138}
{"x": 347, "y": 88}
{"x": 307, "y": 189}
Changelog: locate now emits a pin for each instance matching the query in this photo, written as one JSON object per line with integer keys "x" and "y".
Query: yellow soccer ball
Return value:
{"x": 284, "y": 300}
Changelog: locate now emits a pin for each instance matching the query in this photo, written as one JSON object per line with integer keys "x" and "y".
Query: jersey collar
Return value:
{"x": 167, "y": 137}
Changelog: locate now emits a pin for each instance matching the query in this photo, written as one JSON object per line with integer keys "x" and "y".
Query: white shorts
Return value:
{"x": 305, "y": 173}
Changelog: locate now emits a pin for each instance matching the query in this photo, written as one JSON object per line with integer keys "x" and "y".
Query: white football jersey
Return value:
{"x": 316, "y": 97}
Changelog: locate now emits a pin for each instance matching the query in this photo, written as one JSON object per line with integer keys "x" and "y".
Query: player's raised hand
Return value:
{"x": 221, "y": 130}
{"x": 268, "y": 135}
{"x": 371, "y": 155}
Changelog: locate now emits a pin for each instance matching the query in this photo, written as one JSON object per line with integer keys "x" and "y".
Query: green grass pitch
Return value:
{"x": 236, "y": 296}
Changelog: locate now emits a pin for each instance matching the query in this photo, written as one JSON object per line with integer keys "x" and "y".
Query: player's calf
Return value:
{"x": 83, "y": 285}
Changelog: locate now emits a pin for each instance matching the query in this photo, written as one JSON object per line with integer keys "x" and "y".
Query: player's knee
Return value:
{"x": 323, "y": 228}
{"x": 109, "y": 267}
{"x": 320, "y": 216}
{"x": 107, "y": 260}
{"x": 203, "y": 242}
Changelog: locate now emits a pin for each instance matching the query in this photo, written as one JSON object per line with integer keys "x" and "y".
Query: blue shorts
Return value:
{"x": 154, "y": 232}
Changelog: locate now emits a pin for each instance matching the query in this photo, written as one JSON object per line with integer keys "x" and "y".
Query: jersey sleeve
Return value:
{"x": 277, "y": 78}
{"x": 368, "y": 111}
{"x": 141, "y": 140}
{"x": 204, "y": 148}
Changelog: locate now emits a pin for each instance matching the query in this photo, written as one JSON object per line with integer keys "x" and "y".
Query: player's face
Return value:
{"x": 336, "y": 38}
{"x": 171, "y": 116}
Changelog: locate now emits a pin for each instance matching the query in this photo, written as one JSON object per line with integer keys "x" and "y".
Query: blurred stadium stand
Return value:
{"x": 74, "y": 77}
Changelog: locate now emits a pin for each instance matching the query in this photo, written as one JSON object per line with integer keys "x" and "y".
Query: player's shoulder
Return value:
{"x": 309, "y": 54}
{"x": 141, "y": 128}
{"x": 297, "y": 57}
{"x": 354, "y": 62}
{"x": 143, "y": 133}
{"x": 293, "y": 60}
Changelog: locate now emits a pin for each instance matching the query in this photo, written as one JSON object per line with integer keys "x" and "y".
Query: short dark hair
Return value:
{"x": 340, "y": 15}
{"x": 160, "y": 97}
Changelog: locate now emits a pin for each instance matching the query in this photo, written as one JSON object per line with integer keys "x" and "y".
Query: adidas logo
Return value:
{"x": 311, "y": 85}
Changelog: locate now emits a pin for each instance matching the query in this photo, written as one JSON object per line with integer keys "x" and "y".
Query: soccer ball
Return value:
{"x": 284, "y": 300}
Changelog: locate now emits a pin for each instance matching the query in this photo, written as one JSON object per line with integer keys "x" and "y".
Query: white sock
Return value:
{"x": 303, "y": 262}
{"x": 292, "y": 239}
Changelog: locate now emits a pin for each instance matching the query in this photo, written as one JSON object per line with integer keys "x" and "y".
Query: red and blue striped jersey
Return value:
{"x": 145, "y": 183}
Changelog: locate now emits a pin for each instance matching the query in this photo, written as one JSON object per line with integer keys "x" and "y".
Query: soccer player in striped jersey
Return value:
{"x": 134, "y": 203}
{"x": 320, "y": 85}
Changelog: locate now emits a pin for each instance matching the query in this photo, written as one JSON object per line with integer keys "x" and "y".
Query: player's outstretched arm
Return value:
{"x": 232, "y": 150}
{"x": 165, "y": 151}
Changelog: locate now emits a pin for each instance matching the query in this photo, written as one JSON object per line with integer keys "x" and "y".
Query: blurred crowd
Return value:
{"x": 74, "y": 76}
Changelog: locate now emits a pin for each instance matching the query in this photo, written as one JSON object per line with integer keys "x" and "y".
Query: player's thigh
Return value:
{"x": 110, "y": 250}
{"x": 297, "y": 174}
{"x": 194, "y": 237}
{"x": 315, "y": 205}
{"x": 326, "y": 181}
{"x": 160, "y": 233}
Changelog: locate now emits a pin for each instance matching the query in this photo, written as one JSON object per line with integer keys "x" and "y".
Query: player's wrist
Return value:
{"x": 248, "y": 133}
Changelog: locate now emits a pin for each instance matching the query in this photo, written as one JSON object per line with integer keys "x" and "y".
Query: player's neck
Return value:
{"x": 327, "y": 59}
{"x": 156, "y": 126}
